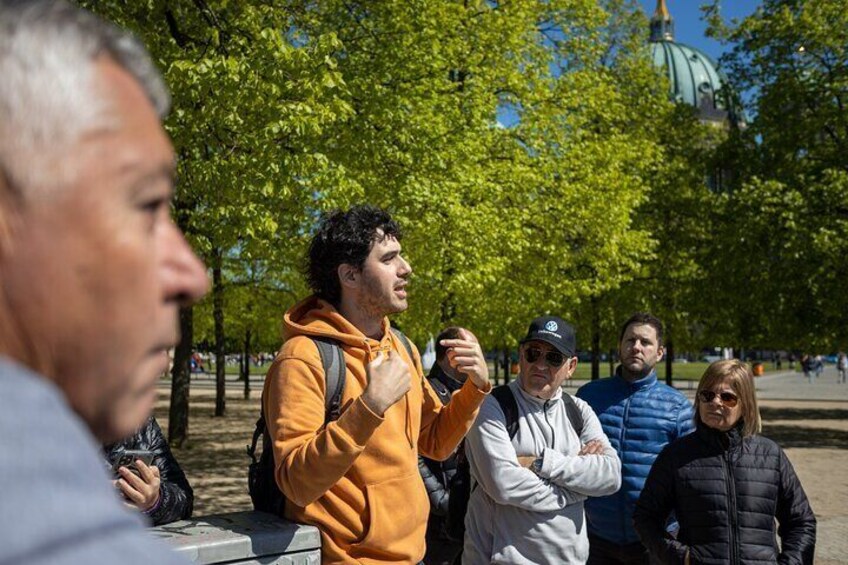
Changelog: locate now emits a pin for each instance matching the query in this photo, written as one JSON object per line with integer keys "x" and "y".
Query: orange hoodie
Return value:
{"x": 357, "y": 479}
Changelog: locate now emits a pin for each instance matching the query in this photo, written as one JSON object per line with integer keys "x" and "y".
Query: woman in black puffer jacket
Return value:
{"x": 175, "y": 497}
{"x": 726, "y": 485}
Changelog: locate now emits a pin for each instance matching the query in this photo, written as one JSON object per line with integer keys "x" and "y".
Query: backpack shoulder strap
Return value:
{"x": 573, "y": 413}
{"x": 332, "y": 359}
{"x": 405, "y": 341}
{"x": 440, "y": 388}
{"x": 258, "y": 432}
{"x": 503, "y": 394}
{"x": 408, "y": 346}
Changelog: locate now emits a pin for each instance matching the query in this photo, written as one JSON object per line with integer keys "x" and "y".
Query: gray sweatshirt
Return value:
{"x": 516, "y": 516}
{"x": 58, "y": 504}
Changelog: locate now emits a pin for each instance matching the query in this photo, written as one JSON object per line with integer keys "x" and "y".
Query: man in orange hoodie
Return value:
{"x": 356, "y": 478}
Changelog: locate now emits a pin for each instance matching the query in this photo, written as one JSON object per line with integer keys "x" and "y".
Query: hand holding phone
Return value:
{"x": 128, "y": 457}
{"x": 139, "y": 481}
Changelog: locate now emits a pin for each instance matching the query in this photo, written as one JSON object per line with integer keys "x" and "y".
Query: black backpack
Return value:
{"x": 460, "y": 487}
{"x": 264, "y": 492}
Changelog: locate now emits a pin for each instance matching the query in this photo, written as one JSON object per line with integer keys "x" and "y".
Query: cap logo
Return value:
{"x": 551, "y": 326}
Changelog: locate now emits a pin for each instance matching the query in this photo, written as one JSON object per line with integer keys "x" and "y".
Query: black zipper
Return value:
{"x": 734, "y": 519}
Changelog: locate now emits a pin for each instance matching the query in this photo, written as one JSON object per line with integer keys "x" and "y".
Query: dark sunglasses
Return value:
{"x": 554, "y": 359}
{"x": 727, "y": 398}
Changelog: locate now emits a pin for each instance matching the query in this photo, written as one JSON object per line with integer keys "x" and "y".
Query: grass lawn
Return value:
{"x": 234, "y": 369}
{"x": 682, "y": 371}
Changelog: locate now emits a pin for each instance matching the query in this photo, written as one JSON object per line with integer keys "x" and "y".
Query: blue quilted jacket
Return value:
{"x": 640, "y": 419}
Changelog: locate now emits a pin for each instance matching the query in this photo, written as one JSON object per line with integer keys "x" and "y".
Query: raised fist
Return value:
{"x": 388, "y": 382}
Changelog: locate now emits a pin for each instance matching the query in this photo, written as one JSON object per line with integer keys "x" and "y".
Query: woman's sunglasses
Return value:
{"x": 727, "y": 398}
{"x": 554, "y": 359}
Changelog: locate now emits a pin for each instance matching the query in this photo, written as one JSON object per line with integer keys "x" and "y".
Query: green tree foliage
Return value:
{"x": 671, "y": 218}
{"x": 517, "y": 142}
{"x": 248, "y": 106}
{"x": 783, "y": 244}
{"x": 503, "y": 220}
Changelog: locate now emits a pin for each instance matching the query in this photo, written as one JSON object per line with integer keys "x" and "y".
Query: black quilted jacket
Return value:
{"x": 437, "y": 475}
{"x": 726, "y": 492}
{"x": 176, "y": 497}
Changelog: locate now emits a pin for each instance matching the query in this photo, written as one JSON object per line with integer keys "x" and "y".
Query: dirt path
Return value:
{"x": 815, "y": 437}
{"x": 814, "y": 434}
{"x": 214, "y": 458}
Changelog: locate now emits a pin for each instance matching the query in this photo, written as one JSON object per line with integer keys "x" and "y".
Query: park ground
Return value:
{"x": 682, "y": 370}
{"x": 810, "y": 421}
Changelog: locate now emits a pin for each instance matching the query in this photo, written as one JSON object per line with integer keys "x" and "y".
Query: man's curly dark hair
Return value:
{"x": 344, "y": 237}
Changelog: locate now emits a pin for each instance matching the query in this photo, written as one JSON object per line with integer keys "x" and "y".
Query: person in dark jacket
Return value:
{"x": 640, "y": 416}
{"x": 727, "y": 485}
{"x": 160, "y": 490}
{"x": 437, "y": 475}
{"x": 808, "y": 365}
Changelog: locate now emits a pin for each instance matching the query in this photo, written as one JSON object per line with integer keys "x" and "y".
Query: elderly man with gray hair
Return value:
{"x": 92, "y": 273}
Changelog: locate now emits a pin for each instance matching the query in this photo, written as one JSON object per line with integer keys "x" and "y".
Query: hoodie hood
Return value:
{"x": 315, "y": 317}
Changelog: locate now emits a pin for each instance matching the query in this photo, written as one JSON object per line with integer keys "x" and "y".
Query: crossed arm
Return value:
{"x": 562, "y": 480}
{"x": 594, "y": 471}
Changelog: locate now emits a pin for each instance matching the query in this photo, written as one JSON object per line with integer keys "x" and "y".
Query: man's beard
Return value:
{"x": 639, "y": 373}
{"x": 375, "y": 303}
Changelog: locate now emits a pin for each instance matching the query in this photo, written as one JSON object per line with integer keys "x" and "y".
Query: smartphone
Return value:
{"x": 128, "y": 458}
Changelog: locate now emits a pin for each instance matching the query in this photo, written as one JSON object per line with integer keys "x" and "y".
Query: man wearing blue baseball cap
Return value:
{"x": 536, "y": 454}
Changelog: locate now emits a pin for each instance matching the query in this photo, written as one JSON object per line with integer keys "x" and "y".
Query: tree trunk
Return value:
{"x": 507, "y": 366}
{"x": 181, "y": 371}
{"x": 497, "y": 369}
{"x": 596, "y": 341}
{"x": 669, "y": 361}
{"x": 246, "y": 371}
{"x": 220, "y": 353}
{"x": 611, "y": 362}
{"x": 447, "y": 309}
{"x": 181, "y": 380}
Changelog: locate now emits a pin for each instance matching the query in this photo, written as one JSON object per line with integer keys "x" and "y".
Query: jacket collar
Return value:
{"x": 540, "y": 402}
{"x": 723, "y": 441}
{"x": 639, "y": 384}
{"x": 450, "y": 383}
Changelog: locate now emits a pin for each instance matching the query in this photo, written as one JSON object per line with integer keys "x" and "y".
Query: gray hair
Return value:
{"x": 48, "y": 94}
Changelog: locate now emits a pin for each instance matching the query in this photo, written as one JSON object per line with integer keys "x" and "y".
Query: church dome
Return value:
{"x": 694, "y": 77}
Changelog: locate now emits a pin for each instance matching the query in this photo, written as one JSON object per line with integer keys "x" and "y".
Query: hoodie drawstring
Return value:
{"x": 409, "y": 422}
{"x": 409, "y": 432}
{"x": 410, "y": 438}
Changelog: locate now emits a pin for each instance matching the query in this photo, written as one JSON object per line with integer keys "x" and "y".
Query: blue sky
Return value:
{"x": 688, "y": 27}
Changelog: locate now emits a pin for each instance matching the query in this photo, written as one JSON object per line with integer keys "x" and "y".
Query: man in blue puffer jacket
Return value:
{"x": 640, "y": 416}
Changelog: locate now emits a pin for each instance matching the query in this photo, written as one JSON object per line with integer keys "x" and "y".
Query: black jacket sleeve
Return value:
{"x": 176, "y": 496}
{"x": 176, "y": 499}
{"x": 795, "y": 518}
{"x": 436, "y": 491}
{"x": 653, "y": 509}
